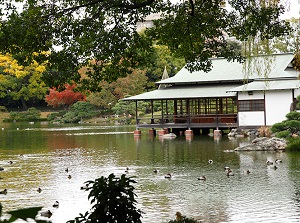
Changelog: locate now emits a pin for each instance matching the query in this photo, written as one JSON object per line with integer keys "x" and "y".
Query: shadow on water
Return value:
{"x": 41, "y": 153}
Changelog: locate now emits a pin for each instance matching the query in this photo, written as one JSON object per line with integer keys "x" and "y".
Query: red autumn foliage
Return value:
{"x": 64, "y": 98}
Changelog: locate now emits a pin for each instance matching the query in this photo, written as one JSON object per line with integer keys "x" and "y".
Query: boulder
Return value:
{"x": 264, "y": 144}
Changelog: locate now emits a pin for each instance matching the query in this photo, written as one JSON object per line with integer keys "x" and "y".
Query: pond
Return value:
{"x": 40, "y": 155}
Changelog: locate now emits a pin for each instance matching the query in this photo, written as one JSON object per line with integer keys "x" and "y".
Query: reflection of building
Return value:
{"x": 256, "y": 93}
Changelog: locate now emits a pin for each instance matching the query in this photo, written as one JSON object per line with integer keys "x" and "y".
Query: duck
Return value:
{"x": 168, "y": 176}
{"x": 3, "y": 191}
{"x": 84, "y": 187}
{"x": 56, "y": 204}
{"x": 229, "y": 173}
{"x": 248, "y": 172}
{"x": 1, "y": 168}
{"x": 269, "y": 162}
{"x": 210, "y": 161}
{"x": 47, "y": 214}
{"x": 10, "y": 162}
{"x": 275, "y": 167}
{"x": 202, "y": 178}
{"x": 226, "y": 168}
{"x": 278, "y": 161}
{"x": 127, "y": 170}
{"x": 69, "y": 176}
{"x": 39, "y": 190}
{"x": 67, "y": 170}
{"x": 155, "y": 171}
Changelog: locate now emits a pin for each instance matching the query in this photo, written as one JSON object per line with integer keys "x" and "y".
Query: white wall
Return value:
{"x": 253, "y": 118}
{"x": 277, "y": 105}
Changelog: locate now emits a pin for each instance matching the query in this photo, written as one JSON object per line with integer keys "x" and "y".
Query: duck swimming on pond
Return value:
{"x": 278, "y": 161}
{"x": 39, "y": 190}
{"x": 155, "y": 171}
{"x": 69, "y": 176}
{"x": 3, "y": 191}
{"x": 168, "y": 176}
{"x": 202, "y": 178}
{"x": 269, "y": 162}
{"x": 84, "y": 187}
{"x": 210, "y": 161}
{"x": 56, "y": 204}
{"x": 47, "y": 214}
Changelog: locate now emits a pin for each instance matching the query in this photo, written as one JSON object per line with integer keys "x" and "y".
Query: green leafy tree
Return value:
{"x": 113, "y": 201}
{"x": 104, "y": 31}
{"x": 111, "y": 93}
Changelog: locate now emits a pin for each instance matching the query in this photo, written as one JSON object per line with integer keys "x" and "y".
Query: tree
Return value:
{"x": 112, "y": 92}
{"x": 65, "y": 98}
{"x": 22, "y": 83}
{"x": 113, "y": 200}
{"x": 104, "y": 31}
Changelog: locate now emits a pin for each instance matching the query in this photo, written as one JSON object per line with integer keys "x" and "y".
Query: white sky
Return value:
{"x": 292, "y": 9}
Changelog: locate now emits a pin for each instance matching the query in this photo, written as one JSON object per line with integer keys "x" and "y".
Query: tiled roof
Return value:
{"x": 223, "y": 71}
{"x": 187, "y": 91}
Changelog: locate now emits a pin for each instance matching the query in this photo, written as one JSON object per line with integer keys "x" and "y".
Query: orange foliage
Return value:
{"x": 64, "y": 98}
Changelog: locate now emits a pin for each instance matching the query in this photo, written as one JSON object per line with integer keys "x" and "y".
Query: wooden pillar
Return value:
{"x": 136, "y": 113}
{"x": 137, "y": 132}
{"x": 189, "y": 134}
{"x": 175, "y": 111}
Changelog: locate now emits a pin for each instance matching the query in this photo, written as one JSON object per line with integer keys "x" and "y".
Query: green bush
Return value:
{"x": 293, "y": 145}
{"x": 113, "y": 200}
{"x": 78, "y": 111}
{"x": 3, "y": 109}
{"x": 32, "y": 114}
{"x": 283, "y": 134}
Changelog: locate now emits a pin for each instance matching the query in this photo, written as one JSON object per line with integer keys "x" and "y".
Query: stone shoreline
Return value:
{"x": 264, "y": 144}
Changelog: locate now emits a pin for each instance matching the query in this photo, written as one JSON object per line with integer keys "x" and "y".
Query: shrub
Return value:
{"x": 283, "y": 134}
{"x": 113, "y": 200}
{"x": 78, "y": 111}
{"x": 182, "y": 219}
{"x": 32, "y": 114}
{"x": 26, "y": 214}
{"x": 293, "y": 144}
{"x": 3, "y": 109}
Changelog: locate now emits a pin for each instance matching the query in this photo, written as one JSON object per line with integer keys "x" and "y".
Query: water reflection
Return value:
{"x": 264, "y": 195}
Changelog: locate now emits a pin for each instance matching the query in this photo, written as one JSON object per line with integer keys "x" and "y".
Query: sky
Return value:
{"x": 292, "y": 9}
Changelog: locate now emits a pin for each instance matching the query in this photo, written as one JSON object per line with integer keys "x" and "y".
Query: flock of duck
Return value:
{"x": 47, "y": 213}
{"x": 227, "y": 170}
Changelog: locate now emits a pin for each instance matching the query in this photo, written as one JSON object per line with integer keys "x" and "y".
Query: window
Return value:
{"x": 252, "y": 105}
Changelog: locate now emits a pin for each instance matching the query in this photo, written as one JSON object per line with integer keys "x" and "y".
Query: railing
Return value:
{"x": 224, "y": 119}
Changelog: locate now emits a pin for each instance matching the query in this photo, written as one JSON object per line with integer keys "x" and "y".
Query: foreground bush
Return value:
{"x": 26, "y": 214}
{"x": 113, "y": 201}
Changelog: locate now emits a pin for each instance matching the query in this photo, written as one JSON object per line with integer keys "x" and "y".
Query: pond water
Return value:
{"x": 41, "y": 153}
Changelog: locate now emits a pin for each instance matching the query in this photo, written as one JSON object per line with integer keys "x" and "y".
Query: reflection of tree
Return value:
{"x": 61, "y": 141}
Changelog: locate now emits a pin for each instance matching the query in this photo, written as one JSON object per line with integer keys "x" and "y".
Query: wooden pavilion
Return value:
{"x": 223, "y": 97}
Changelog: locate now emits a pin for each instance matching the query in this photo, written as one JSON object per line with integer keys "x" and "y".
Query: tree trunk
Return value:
{"x": 24, "y": 105}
